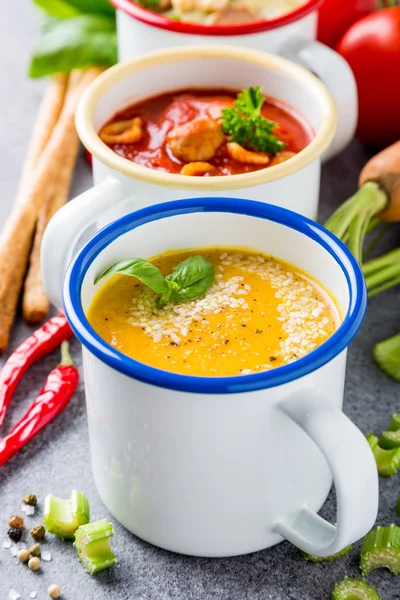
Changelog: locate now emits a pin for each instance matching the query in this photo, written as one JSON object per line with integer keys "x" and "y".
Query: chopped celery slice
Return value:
{"x": 391, "y": 438}
{"x": 318, "y": 559}
{"x": 387, "y": 355}
{"x": 387, "y": 461}
{"x": 394, "y": 423}
{"x": 354, "y": 589}
{"x": 92, "y": 542}
{"x": 63, "y": 517}
{"x": 381, "y": 548}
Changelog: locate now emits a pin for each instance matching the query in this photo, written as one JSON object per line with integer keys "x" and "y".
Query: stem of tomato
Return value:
{"x": 386, "y": 3}
{"x": 355, "y": 217}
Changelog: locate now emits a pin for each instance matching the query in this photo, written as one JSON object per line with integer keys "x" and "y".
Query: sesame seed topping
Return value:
{"x": 300, "y": 312}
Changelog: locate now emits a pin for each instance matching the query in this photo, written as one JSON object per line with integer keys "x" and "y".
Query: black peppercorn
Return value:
{"x": 15, "y": 534}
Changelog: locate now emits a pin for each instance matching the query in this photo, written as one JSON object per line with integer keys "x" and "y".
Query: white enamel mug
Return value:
{"x": 293, "y": 184}
{"x": 219, "y": 466}
{"x": 292, "y": 35}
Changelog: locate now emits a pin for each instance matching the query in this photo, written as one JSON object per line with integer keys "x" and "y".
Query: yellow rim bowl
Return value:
{"x": 105, "y": 81}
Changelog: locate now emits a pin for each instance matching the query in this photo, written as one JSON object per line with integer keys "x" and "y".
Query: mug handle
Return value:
{"x": 335, "y": 72}
{"x": 62, "y": 235}
{"x": 354, "y": 472}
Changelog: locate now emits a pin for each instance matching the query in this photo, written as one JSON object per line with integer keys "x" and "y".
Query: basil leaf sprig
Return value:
{"x": 246, "y": 126}
{"x": 70, "y": 8}
{"x": 189, "y": 280}
{"x": 76, "y": 34}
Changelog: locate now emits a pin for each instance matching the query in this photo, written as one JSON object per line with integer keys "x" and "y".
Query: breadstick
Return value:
{"x": 49, "y": 111}
{"x": 35, "y": 304}
{"x": 16, "y": 238}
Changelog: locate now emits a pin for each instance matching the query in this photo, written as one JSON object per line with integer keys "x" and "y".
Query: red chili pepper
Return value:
{"x": 39, "y": 344}
{"x": 51, "y": 401}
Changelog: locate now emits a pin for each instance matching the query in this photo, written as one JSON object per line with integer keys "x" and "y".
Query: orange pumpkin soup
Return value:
{"x": 260, "y": 313}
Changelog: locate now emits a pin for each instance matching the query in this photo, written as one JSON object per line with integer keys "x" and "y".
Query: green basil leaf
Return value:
{"x": 195, "y": 290}
{"x": 166, "y": 298}
{"x": 193, "y": 277}
{"x": 142, "y": 270}
{"x": 76, "y": 43}
{"x": 93, "y": 6}
{"x": 58, "y": 8}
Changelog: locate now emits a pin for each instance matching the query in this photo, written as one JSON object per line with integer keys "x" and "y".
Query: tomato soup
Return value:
{"x": 182, "y": 132}
{"x": 260, "y": 313}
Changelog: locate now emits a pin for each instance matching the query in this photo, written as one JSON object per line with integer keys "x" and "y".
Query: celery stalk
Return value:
{"x": 63, "y": 517}
{"x": 381, "y": 549}
{"x": 387, "y": 355}
{"x": 331, "y": 558}
{"x": 354, "y": 589}
{"x": 382, "y": 273}
{"x": 92, "y": 543}
{"x": 387, "y": 461}
{"x": 391, "y": 438}
{"x": 351, "y": 221}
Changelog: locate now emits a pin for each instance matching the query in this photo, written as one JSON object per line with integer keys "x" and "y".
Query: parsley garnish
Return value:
{"x": 150, "y": 4}
{"x": 246, "y": 126}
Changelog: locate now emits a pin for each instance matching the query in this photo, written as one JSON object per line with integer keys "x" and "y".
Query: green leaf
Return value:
{"x": 387, "y": 355}
{"x": 246, "y": 126}
{"x": 250, "y": 101}
{"x": 93, "y": 6}
{"x": 191, "y": 278}
{"x": 150, "y": 5}
{"x": 76, "y": 43}
{"x": 58, "y": 8}
{"x": 146, "y": 272}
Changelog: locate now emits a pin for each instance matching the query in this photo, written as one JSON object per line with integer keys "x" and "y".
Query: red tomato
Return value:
{"x": 336, "y": 16}
{"x": 372, "y": 49}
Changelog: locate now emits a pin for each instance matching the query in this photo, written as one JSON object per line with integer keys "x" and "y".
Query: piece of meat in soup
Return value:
{"x": 197, "y": 140}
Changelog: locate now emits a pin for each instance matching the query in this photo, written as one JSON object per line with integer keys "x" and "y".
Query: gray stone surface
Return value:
{"x": 58, "y": 460}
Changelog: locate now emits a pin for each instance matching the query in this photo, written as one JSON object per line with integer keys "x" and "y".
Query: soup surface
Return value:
{"x": 260, "y": 313}
{"x": 181, "y": 132}
{"x": 222, "y": 12}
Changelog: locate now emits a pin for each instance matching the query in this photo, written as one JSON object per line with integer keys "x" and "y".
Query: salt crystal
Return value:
{"x": 33, "y": 594}
{"x": 45, "y": 555}
{"x": 14, "y": 550}
{"x": 23, "y": 507}
{"x": 13, "y": 595}
{"x": 7, "y": 543}
{"x": 29, "y": 510}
